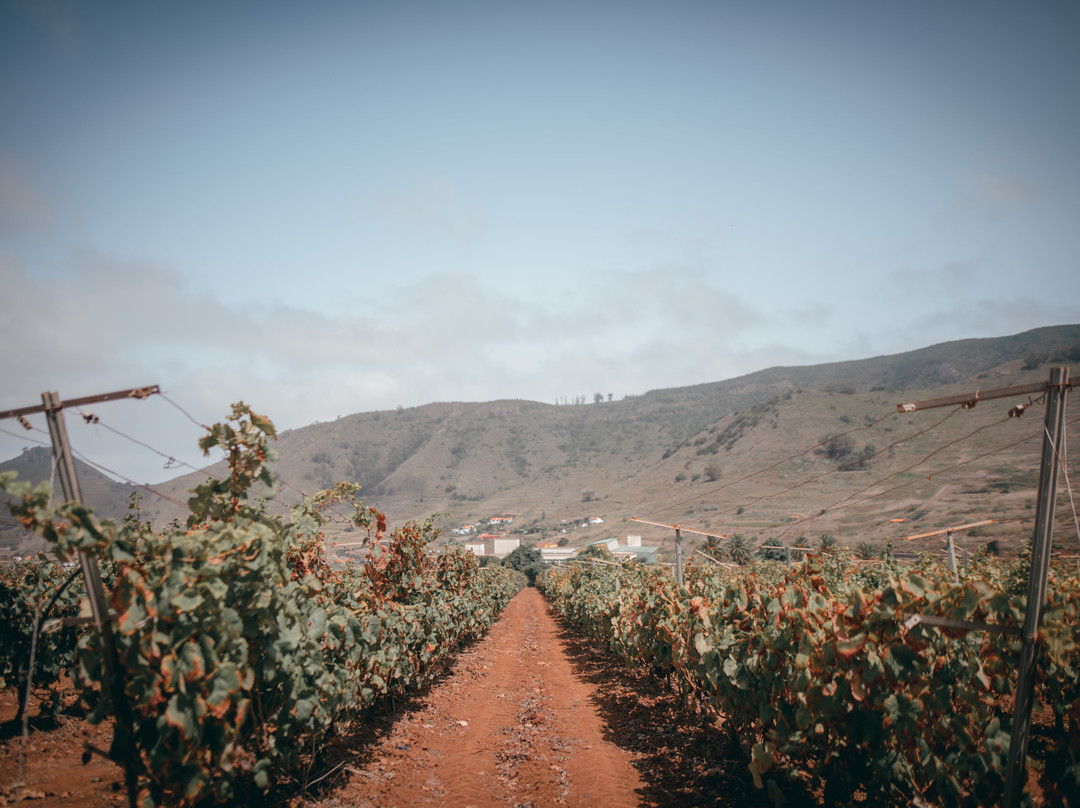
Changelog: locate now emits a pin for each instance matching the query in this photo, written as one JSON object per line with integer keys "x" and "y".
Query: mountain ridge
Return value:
{"x": 552, "y": 465}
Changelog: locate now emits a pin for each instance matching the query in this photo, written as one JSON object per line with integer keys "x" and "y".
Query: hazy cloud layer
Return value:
{"x": 442, "y": 338}
{"x": 107, "y": 323}
{"x": 445, "y": 338}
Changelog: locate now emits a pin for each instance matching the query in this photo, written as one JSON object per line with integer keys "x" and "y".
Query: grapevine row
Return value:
{"x": 823, "y": 679}
{"x": 241, "y": 650}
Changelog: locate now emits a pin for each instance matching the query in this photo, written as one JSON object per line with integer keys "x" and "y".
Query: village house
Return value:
{"x": 499, "y": 545}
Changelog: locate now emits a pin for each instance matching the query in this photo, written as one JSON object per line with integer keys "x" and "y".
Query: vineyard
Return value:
{"x": 832, "y": 675}
{"x": 240, "y": 651}
{"x": 241, "y": 656}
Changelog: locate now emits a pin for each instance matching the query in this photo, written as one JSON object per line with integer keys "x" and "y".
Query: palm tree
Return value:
{"x": 828, "y": 542}
{"x": 712, "y": 545}
{"x": 738, "y": 549}
{"x": 866, "y": 550}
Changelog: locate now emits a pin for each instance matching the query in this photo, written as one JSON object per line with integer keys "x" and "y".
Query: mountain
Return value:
{"x": 552, "y": 466}
{"x": 731, "y": 456}
{"x": 108, "y": 497}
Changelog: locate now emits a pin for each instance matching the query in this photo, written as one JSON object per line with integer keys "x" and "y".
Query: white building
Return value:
{"x": 500, "y": 546}
{"x": 557, "y": 555}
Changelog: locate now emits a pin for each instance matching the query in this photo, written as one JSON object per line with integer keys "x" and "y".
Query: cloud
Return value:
{"x": 1000, "y": 315}
{"x": 94, "y": 324}
{"x": 116, "y": 322}
{"x": 107, "y": 323}
{"x": 933, "y": 320}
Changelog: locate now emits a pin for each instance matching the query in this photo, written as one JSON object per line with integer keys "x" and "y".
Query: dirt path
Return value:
{"x": 532, "y": 714}
{"x": 513, "y": 726}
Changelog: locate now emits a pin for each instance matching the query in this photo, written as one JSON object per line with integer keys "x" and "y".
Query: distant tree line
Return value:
{"x": 598, "y": 398}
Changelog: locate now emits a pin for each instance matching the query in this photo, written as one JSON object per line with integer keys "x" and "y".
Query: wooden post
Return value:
{"x": 69, "y": 485}
{"x": 124, "y": 733}
{"x": 952, "y": 552}
{"x": 1016, "y": 766}
{"x": 678, "y": 557}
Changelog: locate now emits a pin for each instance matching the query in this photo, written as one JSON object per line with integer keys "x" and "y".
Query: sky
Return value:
{"x": 337, "y": 207}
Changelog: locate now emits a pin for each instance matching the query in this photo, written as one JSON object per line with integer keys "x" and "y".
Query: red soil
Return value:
{"x": 530, "y": 715}
{"x": 533, "y": 715}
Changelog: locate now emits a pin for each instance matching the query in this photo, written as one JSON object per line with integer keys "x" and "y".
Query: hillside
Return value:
{"x": 674, "y": 455}
{"x": 551, "y": 464}
{"x": 109, "y": 498}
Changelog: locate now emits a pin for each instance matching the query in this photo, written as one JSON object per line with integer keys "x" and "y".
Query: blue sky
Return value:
{"x": 331, "y": 208}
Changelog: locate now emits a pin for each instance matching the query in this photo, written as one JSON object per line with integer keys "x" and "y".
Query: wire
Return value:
{"x": 844, "y": 503}
{"x": 285, "y": 483}
{"x": 128, "y": 480}
{"x": 745, "y": 477}
{"x": 1061, "y": 458}
{"x": 187, "y": 414}
{"x": 920, "y": 462}
{"x": 830, "y": 472}
{"x": 95, "y": 420}
{"x": 825, "y": 474}
{"x": 23, "y": 437}
{"x": 841, "y": 504}
{"x": 191, "y": 418}
{"x": 173, "y": 462}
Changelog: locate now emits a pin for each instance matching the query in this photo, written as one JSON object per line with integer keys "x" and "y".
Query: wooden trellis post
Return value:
{"x": 1056, "y": 390}
{"x": 124, "y": 733}
{"x": 1015, "y": 768}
